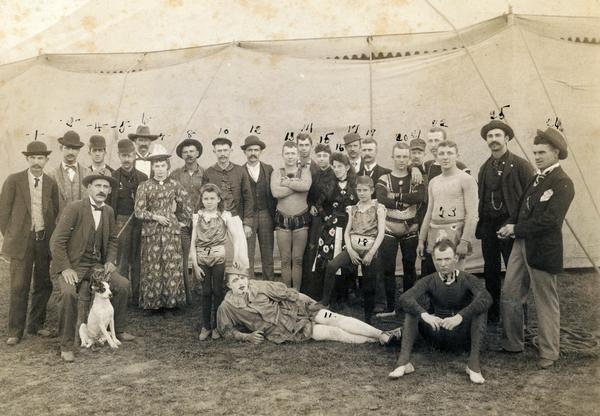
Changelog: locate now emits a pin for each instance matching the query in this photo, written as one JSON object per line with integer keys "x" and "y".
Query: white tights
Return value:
{"x": 330, "y": 326}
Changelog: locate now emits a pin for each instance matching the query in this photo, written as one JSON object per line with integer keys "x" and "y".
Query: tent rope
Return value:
{"x": 212, "y": 79}
{"x": 539, "y": 75}
{"x": 587, "y": 254}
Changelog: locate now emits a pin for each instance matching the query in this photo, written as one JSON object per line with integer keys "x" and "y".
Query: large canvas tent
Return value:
{"x": 537, "y": 70}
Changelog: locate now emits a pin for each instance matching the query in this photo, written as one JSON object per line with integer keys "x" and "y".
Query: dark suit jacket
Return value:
{"x": 377, "y": 172}
{"x": 516, "y": 176}
{"x": 15, "y": 211}
{"x": 70, "y": 237}
{"x": 542, "y": 226}
{"x": 141, "y": 177}
{"x": 265, "y": 172}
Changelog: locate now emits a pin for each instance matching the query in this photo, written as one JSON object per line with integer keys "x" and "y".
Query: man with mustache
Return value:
{"x": 352, "y": 143}
{"x": 190, "y": 177}
{"x": 142, "y": 139}
{"x": 28, "y": 212}
{"x": 128, "y": 178}
{"x": 234, "y": 184}
{"x": 85, "y": 236}
{"x": 69, "y": 174}
{"x": 259, "y": 177}
{"x": 501, "y": 181}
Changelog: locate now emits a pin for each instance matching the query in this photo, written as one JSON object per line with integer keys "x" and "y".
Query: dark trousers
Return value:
{"x": 212, "y": 293}
{"x": 263, "y": 229}
{"x": 71, "y": 302}
{"x": 427, "y": 264}
{"x": 389, "y": 251}
{"x": 186, "y": 241}
{"x": 36, "y": 259}
{"x": 493, "y": 249}
{"x": 128, "y": 258}
{"x": 370, "y": 273}
{"x": 312, "y": 282}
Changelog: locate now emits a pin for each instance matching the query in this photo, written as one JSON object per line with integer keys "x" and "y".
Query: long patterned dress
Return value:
{"x": 161, "y": 277}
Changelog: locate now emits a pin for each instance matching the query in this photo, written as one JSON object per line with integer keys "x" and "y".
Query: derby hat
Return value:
{"x": 91, "y": 178}
{"x": 37, "y": 148}
{"x": 555, "y": 138}
{"x": 417, "y": 144}
{"x": 71, "y": 139}
{"x": 142, "y": 131}
{"x": 350, "y": 138}
{"x": 222, "y": 140}
{"x": 189, "y": 142}
{"x": 253, "y": 141}
{"x": 125, "y": 146}
{"x": 97, "y": 142}
{"x": 158, "y": 152}
{"x": 497, "y": 124}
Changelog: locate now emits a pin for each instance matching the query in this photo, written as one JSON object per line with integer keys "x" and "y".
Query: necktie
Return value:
{"x": 96, "y": 207}
{"x": 37, "y": 182}
{"x": 538, "y": 179}
{"x": 71, "y": 169}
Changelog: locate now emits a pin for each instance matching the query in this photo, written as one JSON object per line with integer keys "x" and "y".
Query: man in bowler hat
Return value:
{"x": 28, "y": 211}
{"x": 127, "y": 178}
{"x": 97, "y": 152}
{"x": 501, "y": 181}
{"x": 537, "y": 254}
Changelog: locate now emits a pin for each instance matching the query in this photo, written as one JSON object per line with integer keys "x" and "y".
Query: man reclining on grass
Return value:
{"x": 453, "y": 308}
{"x": 273, "y": 311}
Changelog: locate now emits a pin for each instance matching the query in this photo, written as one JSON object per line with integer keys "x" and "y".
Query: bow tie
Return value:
{"x": 538, "y": 179}
{"x": 73, "y": 167}
{"x": 97, "y": 208}
{"x": 37, "y": 182}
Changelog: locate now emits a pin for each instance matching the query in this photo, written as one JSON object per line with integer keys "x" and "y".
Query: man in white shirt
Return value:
{"x": 142, "y": 138}
{"x": 352, "y": 143}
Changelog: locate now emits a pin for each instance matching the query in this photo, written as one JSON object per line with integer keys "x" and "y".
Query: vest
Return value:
{"x": 260, "y": 191}
{"x": 93, "y": 248}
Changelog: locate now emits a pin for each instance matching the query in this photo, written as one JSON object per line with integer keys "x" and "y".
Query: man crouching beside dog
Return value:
{"x": 85, "y": 236}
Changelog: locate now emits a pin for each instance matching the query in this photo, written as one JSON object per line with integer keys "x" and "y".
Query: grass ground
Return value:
{"x": 167, "y": 372}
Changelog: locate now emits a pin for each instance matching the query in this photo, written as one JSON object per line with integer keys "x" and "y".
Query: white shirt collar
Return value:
{"x": 64, "y": 165}
{"x": 548, "y": 169}
{"x": 32, "y": 177}
{"x": 93, "y": 169}
{"x": 451, "y": 279}
{"x": 370, "y": 167}
{"x": 93, "y": 203}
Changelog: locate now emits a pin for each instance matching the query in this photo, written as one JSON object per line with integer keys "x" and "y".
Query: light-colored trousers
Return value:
{"x": 520, "y": 277}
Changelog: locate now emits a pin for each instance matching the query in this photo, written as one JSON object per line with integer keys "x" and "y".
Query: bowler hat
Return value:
{"x": 189, "y": 142}
{"x": 90, "y": 178}
{"x": 350, "y": 138}
{"x": 71, "y": 139}
{"x": 97, "y": 142}
{"x": 142, "y": 131}
{"x": 37, "y": 148}
{"x": 497, "y": 124}
{"x": 125, "y": 146}
{"x": 253, "y": 141}
{"x": 417, "y": 144}
{"x": 222, "y": 140}
{"x": 555, "y": 138}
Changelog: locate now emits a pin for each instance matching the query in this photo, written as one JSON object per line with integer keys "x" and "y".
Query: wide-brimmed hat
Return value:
{"x": 158, "y": 152}
{"x": 97, "y": 142}
{"x": 37, "y": 148}
{"x": 222, "y": 140}
{"x": 90, "y": 178}
{"x": 142, "y": 131}
{"x": 125, "y": 146}
{"x": 71, "y": 139}
{"x": 189, "y": 142}
{"x": 497, "y": 124}
{"x": 417, "y": 144}
{"x": 350, "y": 138}
{"x": 555, "y": 138}
{"x": 253, "y": 141}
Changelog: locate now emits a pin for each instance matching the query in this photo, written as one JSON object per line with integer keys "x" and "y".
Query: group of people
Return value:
{"x": 338, "y": 220}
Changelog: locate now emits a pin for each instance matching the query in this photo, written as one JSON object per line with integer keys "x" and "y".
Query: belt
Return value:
{"x": 38, "y": 235}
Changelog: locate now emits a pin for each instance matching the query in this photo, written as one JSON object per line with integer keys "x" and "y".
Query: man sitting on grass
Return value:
{"x": 453, "y": 308}
{"x": 273, "y": 311}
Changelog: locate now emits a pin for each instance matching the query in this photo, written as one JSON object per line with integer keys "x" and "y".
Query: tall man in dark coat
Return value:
{"x": 259, "y": 177}
{"x": 28, "y": 211}
{"x": 502, "y": 179}
{"x": 537, "y": 254}
{"x": 86, "y": 236}
{"x": 127, "y": 179}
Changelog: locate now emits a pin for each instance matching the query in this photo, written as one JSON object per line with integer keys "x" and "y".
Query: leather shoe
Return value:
{"x": 67, "y": 356}
{"x": 44, "y": 333}
{"x": 401, "y": 371}
{"x": 544, "y": 363}
{"x": 125, "y": 336}
{"x": 13, "y": 341}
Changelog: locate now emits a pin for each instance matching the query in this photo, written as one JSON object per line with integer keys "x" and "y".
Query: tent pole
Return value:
{"x": 370, "y": 83}
{"x": 539, "y": 75}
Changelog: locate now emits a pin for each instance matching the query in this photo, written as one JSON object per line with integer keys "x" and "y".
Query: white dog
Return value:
{"x": 100, "y": 318}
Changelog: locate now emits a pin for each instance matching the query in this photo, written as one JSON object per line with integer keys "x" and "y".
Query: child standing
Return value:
{"x": 211, "y": 225}
{"x": 363, "y": 236}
